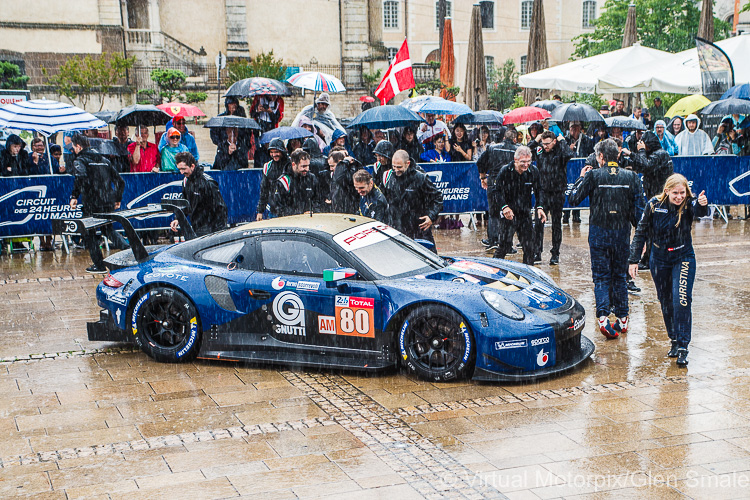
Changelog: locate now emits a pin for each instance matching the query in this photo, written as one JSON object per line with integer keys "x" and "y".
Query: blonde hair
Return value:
{"x": 673, "y": 181}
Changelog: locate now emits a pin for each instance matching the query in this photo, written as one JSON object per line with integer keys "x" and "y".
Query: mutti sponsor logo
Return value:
{"x": 364, "y": 233}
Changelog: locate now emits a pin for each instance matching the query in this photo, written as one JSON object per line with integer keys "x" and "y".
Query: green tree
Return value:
{"x": 669, "y": 26}
{"x": 191, "y": 97}
{"x": 502, "y": 86}
{"x": 264, "y": 64}
{"x": 372, "y": 80}
{"x": 169, "y": 81}
{"x": 594, "y": 100}
{"x": 11, "y": 77}
{"x": 83, "y": 77}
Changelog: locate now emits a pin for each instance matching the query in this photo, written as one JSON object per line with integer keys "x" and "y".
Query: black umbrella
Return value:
{"x": 549, "y": 104}
{"x": 576, "y": 112}
{"x": 625, "y": 123}
{"x": 250, "y": 87}
{"x": 141, "y": 114}
{"x": 485, "y": 117}
{"x": 108, "y": 147}
{"x": 228, "y": 121}
{"x": 728, "y": 106}
{"x": 105, "y": 115}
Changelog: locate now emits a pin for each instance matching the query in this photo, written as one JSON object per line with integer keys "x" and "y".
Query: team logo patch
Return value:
{"x": 278, "y": 283}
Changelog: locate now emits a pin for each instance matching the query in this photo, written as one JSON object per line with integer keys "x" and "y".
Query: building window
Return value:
{"x": 487, "y": 9}
{"x": 392, "y": 51}
{"x": 589, "y": 13}
{"x": 489, "y": 65}
{"x": 448, "y": 12}
{"x": 526, "y": 8}
{"x": 390, "y": 14}
{"x": 523, "y": 65}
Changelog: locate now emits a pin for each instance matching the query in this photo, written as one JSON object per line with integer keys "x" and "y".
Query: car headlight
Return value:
{"x": 502, "y": 305}
{"x": 543, "y": 276}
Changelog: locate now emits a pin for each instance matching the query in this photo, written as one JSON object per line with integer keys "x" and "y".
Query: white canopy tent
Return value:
{"x": 584, "y": 75}
{"x": 679, "y": 73}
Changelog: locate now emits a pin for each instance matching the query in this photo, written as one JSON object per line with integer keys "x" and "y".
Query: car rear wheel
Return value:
{"x": 436, "y": 343}
{"x": 165, "y": 324}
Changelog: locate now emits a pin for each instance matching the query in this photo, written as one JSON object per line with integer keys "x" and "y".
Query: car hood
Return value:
{"x": 523, "y": 285}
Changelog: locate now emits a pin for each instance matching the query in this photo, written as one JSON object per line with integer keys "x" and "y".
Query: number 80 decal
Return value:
{"x": 354, "y": 317}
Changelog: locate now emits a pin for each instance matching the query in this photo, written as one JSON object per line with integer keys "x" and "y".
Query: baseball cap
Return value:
{"x": 173, "y": 132}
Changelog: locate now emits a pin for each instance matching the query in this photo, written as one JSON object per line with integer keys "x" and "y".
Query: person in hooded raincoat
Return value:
{"x": 322, "y": 117}
{"x": 339, "y": 138}
{"x": 317, "y": 160}
{"x": 410, "y": 144}
{"x": 693, "y": 141}
{"x": 14, "y": 159}
{"x": 186, "y": 139}
{"x": 666, "y": 139}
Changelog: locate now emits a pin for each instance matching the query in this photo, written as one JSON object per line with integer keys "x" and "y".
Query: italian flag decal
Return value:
{"x": 337, "y": 274}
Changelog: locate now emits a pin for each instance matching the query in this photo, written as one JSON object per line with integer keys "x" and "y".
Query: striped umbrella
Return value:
{"x": 47, "y": 117}
{"x": 319, "y": 82}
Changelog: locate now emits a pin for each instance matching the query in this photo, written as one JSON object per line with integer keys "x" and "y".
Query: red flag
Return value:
{"x": 399, "y": 76}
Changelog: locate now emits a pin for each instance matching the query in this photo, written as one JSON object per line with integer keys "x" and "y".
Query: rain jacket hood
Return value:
{"x": 15, "y": 139}
{"x": 651, "y": 140}
{"x": 690, "y": 117}
{"x": 670, "y": 125}
{"x": 311, "y": 146}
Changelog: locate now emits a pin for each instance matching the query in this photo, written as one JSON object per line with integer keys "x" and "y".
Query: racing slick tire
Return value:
{"x": 166, "y": 326}
{"x": 435, "y": 343}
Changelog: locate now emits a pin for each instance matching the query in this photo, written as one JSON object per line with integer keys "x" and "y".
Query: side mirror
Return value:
{"x": 427, "y": 244}
{"x": 332, "y": 276}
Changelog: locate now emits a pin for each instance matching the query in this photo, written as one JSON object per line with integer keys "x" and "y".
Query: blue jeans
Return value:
{"x": 674, "y": 274}
{"x": 609, "y": 267}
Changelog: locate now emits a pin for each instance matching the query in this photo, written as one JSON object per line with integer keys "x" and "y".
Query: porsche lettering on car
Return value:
{"x": 340, "y": 291}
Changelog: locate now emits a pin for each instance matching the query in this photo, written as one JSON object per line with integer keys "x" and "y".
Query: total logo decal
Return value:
{"x": 280, "y": 283}
{"x": 542, "y": 358}
{"x": 289, "y": 311}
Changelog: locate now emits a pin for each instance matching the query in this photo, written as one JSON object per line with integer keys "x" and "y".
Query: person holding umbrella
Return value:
{"x": 143, "y": 155}
{"x": 667, "y": 221}
{"x": 268, "y": 110}
{"x": 232, "y": 153}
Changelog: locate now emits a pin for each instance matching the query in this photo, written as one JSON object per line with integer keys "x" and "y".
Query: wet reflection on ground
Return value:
{"x": 84, "y": 423}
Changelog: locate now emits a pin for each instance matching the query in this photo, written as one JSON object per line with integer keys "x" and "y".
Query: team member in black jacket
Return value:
{"x": 296, "y": 192}
{"x": 514, "y": 186}
{"x": 616, "y": 201}
{"x": 207, "y": 210}
{"x": 489, "y": 165}
{"x": 656, "y": 166}
{"x": 582, "y": 146}
{"x": 383, "y": 153}
{"x": 278, "y": 166}
{"x": 372, "y": 202}
{"x": 552, "y": 157}
{"x": 414, "y": 202}
{"x": 667, "y": 220}
{"x": 100, "y": 187}
{"x": 344, "y": 198}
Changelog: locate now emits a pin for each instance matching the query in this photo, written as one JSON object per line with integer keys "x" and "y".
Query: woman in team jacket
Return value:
{"x": 668, "y": 220}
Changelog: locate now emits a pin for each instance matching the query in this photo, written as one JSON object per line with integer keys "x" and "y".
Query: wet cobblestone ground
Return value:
{"x": 91, "y": 420}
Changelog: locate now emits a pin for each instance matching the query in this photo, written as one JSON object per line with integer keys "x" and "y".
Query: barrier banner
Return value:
{"x": 460, "y": 184}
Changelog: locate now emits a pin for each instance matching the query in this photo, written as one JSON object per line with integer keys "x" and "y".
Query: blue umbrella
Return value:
{"x": 485, "y": 117}
{"x": 285, "y": 133}
{"x": 741, "y": 91}
{"x": 386, "y": 117}
{"x": 436, "y": 105}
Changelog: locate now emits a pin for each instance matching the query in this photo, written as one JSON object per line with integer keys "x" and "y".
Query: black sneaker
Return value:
{"x": 555, "y": 260}
{"x": 537, "y": 258}
{"x": 673, "y": 351}
{"x": 682, "y": 357}
{"x": 96, "y": 269}
{"x": 643, "y": 266}
{"x": 491, "y": 247}
{"x": 632, "y": 288}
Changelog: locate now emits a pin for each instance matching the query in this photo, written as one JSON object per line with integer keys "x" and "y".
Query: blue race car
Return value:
{"x": 339, "y": 291}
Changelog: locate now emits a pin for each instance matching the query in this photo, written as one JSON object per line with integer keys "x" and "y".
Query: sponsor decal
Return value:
{"x": 136, "y": 309}
{"x": 541, "y": 341}
{"x": 402, "y": 340}
{"x": 327, "y": 324}
{"x": 117, "y": 315}
{"x": 661, "y": 210}
{"x": 278, "y": 283}
{"x": 511, "y": 344}
{"x": 364, "y": 235}
{"x": 578, "y": 323}
{"x": 355, "y": 316}
{"x": 542, "y": 358}
{"x": 169, "y": 275}
{"x": 683, "y": 283}
{"x": 290, "y": 312}
{"x": 467, "y": 342}
{"x": 191, "y": 340}
{"x": 449, "y": 192}
{"x": 466, "y": 265}
{"x": 308, "y": 286}
{"x": 23, "y": 207}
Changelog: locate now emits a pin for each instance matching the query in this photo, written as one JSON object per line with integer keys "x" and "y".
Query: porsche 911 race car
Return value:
{"x": 339, "y": 291}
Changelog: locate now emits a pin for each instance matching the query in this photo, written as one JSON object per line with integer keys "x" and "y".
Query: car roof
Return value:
{"x": 327, "y": 223}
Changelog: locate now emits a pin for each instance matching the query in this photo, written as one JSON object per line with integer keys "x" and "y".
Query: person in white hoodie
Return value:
{"x": 693, "y": 141}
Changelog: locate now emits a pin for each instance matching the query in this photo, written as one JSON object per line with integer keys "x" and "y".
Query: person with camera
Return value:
{"x": 725, "y": 142}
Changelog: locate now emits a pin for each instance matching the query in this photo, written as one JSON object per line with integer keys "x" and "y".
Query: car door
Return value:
{"x": 306, "y": 310}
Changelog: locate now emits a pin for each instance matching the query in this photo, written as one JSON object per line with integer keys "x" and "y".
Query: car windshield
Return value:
{"x": 387, "y": 252}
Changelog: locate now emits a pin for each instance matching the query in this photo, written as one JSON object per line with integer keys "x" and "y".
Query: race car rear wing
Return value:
{"x": 80, "y": 227}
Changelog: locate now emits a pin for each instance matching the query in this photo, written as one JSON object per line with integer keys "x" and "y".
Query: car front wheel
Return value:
{"x": 435, "y": 343}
